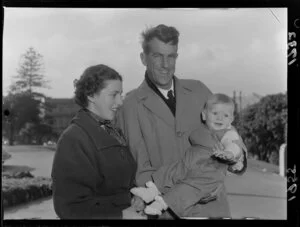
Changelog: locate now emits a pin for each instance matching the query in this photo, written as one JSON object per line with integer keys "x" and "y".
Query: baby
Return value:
{"x": 199, "y": 176}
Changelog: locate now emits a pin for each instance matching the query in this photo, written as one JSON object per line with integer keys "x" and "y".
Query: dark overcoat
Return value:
{"x": 92, "y": 172}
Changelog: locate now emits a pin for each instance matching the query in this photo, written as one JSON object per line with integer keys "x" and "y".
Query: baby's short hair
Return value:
{"x": 218, "y": 99}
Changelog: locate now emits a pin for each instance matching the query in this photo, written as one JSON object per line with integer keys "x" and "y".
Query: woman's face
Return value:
{"x": 106, "y": 102}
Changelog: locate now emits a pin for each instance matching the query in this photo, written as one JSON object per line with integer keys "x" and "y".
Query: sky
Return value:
{"x": 242, "y": 49}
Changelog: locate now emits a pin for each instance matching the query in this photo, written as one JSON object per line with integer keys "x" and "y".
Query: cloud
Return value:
{"x": 281, "y": 41}
{"x": 216, "y": 45}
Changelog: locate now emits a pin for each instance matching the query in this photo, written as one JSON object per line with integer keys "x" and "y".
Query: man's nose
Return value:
{"x": 165, "y": 62}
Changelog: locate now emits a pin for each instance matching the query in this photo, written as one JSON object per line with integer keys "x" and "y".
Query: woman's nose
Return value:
{"x": 119, "y": 101}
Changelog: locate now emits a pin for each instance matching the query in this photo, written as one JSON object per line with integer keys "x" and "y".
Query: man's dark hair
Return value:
{"x": 92, "y": 81}
{"x": 162, "y": 32}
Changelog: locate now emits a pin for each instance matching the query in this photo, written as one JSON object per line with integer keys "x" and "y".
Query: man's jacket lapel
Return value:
{"x": 155, "y": 104}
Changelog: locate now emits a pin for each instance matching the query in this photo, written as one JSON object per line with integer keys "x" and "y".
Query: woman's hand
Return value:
{"x": 131, "y": 213}
{"x": 147, "y": 193}
{"x": 138, "y": 203}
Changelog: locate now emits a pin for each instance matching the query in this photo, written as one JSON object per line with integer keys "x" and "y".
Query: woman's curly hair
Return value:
{"x": 93, "y": 81}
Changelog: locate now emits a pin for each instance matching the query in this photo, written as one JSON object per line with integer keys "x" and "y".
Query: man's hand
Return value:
{"x": 138, "y": 203}
{"x": 211, "y": 196}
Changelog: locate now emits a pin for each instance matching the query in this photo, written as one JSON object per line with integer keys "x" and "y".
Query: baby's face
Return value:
{"x": 219, "y": 116}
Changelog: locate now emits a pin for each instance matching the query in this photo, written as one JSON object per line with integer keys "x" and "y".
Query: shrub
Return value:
{"x": 16, "y": 191}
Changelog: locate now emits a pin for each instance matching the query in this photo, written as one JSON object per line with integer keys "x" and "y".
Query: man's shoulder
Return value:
{"x": 194, "y": 85}
{"x": 131, "y": 101}
{"x": 131, "y": 97}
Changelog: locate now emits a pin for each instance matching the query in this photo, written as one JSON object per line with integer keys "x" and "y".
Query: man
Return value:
{"x": 158, "y": 117}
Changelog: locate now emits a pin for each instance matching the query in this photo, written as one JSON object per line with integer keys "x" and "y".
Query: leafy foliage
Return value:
{"x": 24, "y": 107}
{"x": 23, "y": 110}
{"x": 16, "y": 191}
{"x": 263, "y": 125}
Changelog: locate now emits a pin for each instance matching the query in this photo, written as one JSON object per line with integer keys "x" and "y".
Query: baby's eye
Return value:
{"x": 215, "y": 113}
{"x": 226, "y": 115}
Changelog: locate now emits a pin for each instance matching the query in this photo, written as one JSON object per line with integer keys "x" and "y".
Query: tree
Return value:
{"x": 262, "y": 125}
{"x": 23, "y": 103}
{"x": 21, "y": 108}
{"x": 30, "y": 72}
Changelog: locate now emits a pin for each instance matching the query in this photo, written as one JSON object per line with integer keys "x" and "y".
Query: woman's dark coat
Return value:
{"x": 92, "y": 173}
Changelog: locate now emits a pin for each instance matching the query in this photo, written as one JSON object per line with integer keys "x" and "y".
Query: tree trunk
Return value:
{"x": 11, "y": 134}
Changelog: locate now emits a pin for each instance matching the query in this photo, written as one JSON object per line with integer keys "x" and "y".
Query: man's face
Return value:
{"x": 218, "y": 116}
{"x": 160, "y": 62}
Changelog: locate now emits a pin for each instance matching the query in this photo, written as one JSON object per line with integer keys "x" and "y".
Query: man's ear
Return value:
{"x": 143, "y": 58}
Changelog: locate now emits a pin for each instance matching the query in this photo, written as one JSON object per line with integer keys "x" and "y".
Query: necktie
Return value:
{"x": 171, "y": 97}
{"x": 171, "y": 101}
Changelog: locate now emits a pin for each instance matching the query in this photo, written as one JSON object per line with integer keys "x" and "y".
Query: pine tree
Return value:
{"x": 30, "y": 72}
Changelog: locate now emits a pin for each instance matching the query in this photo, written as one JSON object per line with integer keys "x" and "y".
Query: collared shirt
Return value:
{"x": 165, "y": 91}
{"x": 159, "y": 93}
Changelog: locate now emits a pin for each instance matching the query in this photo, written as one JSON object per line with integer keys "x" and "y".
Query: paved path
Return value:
{"x": 256, "y": 194}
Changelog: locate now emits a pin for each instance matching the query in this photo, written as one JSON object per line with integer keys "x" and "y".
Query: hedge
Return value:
{"x": 16, "y": 191}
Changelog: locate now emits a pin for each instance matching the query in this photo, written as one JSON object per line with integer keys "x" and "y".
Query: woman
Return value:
{"x": 93, "y": 170}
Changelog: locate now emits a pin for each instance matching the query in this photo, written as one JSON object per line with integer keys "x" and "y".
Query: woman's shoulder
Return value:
{"x": 72, "y": 132}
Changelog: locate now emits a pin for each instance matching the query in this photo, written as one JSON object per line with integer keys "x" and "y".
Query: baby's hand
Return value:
{"x": 146, "y": 193}
{"x": 238, "y": 166}
{"x": 223, "y": 155}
